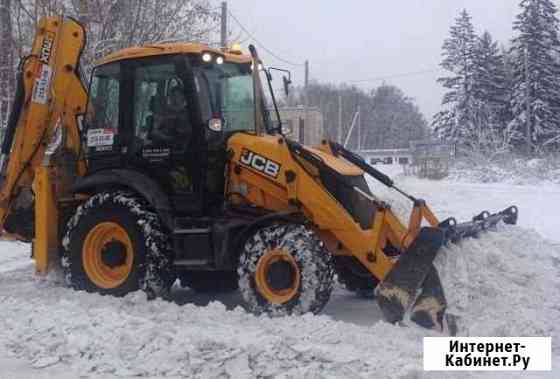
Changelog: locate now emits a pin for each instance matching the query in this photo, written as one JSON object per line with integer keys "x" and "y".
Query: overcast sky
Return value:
{"x": 352, "y": 40}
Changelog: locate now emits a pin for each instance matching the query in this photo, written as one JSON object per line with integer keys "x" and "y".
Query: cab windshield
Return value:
{"x": 226, "y": 91}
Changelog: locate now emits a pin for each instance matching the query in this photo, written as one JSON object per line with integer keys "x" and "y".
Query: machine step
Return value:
{"x": 191, "y": 231}
{"x": 191, "y": 262}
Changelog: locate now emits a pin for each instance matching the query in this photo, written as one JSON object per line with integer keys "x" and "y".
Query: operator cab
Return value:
{"x": 167, "y": 111}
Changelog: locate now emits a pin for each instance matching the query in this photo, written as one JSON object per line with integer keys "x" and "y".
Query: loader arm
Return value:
{"x": 326, "y": 185}
{"x": 42, "y": 138}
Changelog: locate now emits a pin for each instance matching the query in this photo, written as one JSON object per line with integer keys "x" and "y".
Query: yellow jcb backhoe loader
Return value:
{"x": 169, "y": 167}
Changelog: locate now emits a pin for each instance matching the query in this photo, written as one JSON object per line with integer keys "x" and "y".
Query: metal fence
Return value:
{"x": 430, "y": 159}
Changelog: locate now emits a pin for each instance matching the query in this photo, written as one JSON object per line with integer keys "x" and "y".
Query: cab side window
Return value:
{"x": 161, "y": 110}
{"x": 103, "y": 116}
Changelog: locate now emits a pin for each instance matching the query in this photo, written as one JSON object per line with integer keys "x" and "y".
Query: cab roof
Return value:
{"x": 164, "y": 48}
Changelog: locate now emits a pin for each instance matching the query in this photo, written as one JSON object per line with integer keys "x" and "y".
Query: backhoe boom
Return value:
{"x": 43, "y": 128}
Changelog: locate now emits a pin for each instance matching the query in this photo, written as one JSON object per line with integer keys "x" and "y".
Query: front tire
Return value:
{"x": 285, "y": 269}
{"x": 114, "y": 245}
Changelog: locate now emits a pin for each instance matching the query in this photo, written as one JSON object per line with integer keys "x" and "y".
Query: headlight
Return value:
{"x": 206, "y": 57}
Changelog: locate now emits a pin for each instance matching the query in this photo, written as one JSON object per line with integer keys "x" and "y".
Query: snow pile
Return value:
{"x": 13, "y": 255}
{"x": 506, "y": 284}
{"x": 511, "y": 171}
{"x": 94, "y": 335}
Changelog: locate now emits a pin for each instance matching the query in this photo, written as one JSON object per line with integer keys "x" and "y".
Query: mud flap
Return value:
{"x": 413, "y": 270}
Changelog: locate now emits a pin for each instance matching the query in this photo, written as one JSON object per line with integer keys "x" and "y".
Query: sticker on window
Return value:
{"x": 100, "y": 137}
{"x": 42, "y": 85}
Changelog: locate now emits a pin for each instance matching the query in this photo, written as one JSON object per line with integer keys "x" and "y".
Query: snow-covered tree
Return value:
{"x": 115, "y": 24}
{"x": 536, "y": 90}
{"x": 487, "y": 129}
{"x": 393, "y": 119}
{"x": 458, "y": 60}
{"x": 7, "y": 77}
{"x": 110, "y": 25}
{"x": 490, "y": 82}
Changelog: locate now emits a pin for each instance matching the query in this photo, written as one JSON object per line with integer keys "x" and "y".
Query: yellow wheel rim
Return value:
{"x": 262, "y": 277}
{"x": 95, "y": 257}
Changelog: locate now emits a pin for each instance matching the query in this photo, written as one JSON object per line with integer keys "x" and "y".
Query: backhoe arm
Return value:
{"x": 43, "y": 123}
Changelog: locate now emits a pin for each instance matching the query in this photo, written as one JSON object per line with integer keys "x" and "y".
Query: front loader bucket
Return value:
{"x": 397, "y": 292}
{"x": 428, "y": 310}
{"x": 415, "y": 271}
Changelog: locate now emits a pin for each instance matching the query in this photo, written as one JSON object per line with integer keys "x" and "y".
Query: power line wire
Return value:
{"x": 244, "y": 40}
{"x": 405, "y": 74}
{"x": 262, "y": 46}
{"x": 400, "y": 75}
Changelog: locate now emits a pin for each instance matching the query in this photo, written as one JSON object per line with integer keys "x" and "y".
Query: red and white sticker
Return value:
{"x": 100, "y": 137}
{"x": 42, "y": 85}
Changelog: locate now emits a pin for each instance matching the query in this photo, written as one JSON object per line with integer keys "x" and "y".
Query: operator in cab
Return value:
{"x": 173, "y": 128}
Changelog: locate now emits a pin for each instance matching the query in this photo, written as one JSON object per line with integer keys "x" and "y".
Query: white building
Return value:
{"x": 295, "y": 127}
{"x": 387, "y": 156}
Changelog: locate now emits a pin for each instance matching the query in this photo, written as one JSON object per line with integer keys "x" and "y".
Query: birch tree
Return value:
{"x": 7, "y": 77}
{"x": 116, "y": 24}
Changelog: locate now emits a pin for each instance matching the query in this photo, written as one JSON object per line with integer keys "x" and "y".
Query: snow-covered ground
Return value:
{"x": 505, "y": 284}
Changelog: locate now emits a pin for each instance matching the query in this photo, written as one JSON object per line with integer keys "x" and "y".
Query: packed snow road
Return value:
{"x": 505, "y": 284}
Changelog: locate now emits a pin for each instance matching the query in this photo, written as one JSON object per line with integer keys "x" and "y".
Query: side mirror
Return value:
{"x": 287, "y": 83}
{"x": 286, "y": 79}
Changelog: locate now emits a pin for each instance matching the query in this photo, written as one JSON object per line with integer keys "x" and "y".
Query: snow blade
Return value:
{"x": 395, "y": 294}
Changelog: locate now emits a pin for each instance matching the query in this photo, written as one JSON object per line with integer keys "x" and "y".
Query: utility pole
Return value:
{"x": 339, "y": 129}
{"x": 306, "y": 74}
{"x": 223, "y": 39}
{"x": 359, "y": 129}
{"x": 351, "y": 128}
{"x": 83, "y": 13}
{"x": 528, "y": 103}
{"x": 303, "y": 124}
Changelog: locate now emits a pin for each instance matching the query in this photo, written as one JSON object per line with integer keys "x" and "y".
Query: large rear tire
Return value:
{"x": 285, "y": 269}
{"x": 115, "y": 245}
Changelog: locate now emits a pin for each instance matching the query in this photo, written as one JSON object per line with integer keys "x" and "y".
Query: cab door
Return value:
{"x": 164, "y": 131}
{"x": 105, "y": 123}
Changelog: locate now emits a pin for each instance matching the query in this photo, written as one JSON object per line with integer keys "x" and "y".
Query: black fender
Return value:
{"x": 138, "y": 182}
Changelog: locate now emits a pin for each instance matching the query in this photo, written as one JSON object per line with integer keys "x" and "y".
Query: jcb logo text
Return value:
{"x": 260, "y": 163}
